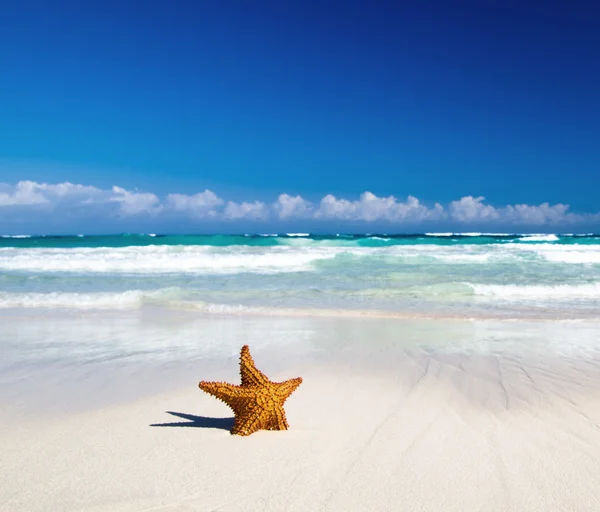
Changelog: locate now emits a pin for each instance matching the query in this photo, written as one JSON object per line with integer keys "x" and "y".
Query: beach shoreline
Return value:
{"x": 413, "y": 427}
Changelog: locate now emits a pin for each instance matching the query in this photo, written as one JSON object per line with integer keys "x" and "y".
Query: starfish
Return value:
{"x": 258, "y": 403}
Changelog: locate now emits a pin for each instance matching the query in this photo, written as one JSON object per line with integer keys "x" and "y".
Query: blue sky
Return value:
{"x": 436, "y": 100}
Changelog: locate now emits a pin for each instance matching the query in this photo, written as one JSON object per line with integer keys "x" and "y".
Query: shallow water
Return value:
{"x": 56, "y": 361}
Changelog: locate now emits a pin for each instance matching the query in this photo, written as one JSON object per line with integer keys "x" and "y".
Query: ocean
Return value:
{"x": 431, "y": 275}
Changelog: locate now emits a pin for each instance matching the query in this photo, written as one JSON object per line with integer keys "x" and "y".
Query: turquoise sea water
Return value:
{"x": 295, "y": 239}
{"x": 443, "y": 274}
{"x": 75, "y": 311}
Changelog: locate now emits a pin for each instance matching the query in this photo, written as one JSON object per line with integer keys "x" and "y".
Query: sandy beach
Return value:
{"x": 399, "y": 428}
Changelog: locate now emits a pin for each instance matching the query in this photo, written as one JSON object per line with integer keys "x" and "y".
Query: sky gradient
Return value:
{"x": 251, "y": 100}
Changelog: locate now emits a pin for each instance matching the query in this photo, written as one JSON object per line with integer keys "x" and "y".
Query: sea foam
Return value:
{"x": 299, "y": 255}
{"x": 159, "y": 260}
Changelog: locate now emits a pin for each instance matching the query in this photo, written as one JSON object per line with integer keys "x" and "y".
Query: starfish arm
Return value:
{"x": 251, "y": 375}
{"x": 278, "y": 421}
{"x": 285, "y": 389}
{"x": 231, "y": 394}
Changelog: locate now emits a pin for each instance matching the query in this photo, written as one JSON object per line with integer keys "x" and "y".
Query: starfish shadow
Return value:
{"x": 198, "y": 422}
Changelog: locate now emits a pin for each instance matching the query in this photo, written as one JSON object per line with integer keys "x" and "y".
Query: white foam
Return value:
{"x": 538, "y": 292}
{"x": 555, "y": 253}
{"x": 298, "y": 234}
{"x": 132, "y": 299}
{"x": 458, "y": 254}
{"x": 296, "y": 255}
{"x": 163, "y": 259}
{"x": 464, "y": 258}
{"x": 126, "y": 300}
{"x": 539, "y": 238}
{"x": 561, "y": 253}
{"x": 474, "y": 233}
{"x": 573, "y": 257}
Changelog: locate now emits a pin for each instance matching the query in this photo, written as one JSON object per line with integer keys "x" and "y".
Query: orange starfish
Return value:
{"x": 258, "y": 403}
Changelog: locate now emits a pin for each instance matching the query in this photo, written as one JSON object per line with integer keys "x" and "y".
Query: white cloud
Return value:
{"x": 203, "y": 204}
{"x": 117, "y": 202}
{"x": 295, "y": 207}
{"x": 370, "y": 208}
{"x": 26, "y": 193}
{"x": 207, "y": 205}
{"x": 471, "y": 209}
{"x": 53, "y": 196}
{"x": 542, "y": 214}
{"x": 65, "y": 189}
{"x": 254, "y": 211}
{"x": 133, "y": 203}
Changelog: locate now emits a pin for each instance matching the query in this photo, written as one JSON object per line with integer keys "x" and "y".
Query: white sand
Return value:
{"x": 429, "y": 432}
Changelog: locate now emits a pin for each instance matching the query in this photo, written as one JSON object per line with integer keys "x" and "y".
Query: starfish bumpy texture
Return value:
{"x": 258, "y": 403}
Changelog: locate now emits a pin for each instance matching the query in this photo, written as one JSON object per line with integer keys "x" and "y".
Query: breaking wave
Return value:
{"x": 168, "y": 259}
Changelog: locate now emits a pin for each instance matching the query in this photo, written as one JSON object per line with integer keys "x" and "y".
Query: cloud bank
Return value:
{"x": 30, "y": 197}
